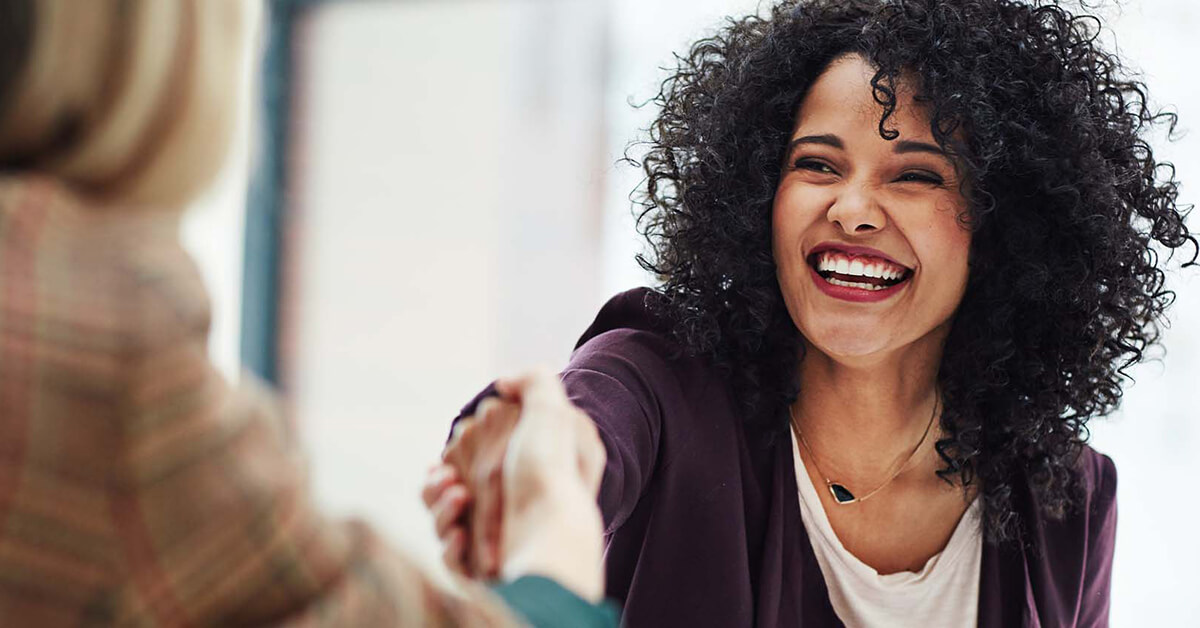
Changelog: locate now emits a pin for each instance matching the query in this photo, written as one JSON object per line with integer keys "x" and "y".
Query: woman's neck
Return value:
{"x": 860, "y": 418}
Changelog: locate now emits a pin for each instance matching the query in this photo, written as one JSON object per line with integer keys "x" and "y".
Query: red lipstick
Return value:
{"x": 853, "y": 251}
{"x": 857, "y": 295}
{"x": 849, "y": 293}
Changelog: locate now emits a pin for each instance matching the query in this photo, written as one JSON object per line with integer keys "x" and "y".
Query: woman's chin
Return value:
{"x": 849, "y": 343}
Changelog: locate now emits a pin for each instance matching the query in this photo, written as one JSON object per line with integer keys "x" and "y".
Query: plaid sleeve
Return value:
{"x": 209, "y": 503}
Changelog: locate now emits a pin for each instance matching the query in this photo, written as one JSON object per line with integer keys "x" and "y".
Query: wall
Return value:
{"x": 444, "y": 213}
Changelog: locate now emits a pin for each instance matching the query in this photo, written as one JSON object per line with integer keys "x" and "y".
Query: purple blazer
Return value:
{"x": 703, "y": 519}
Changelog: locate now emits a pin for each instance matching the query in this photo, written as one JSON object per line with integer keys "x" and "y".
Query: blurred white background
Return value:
{"x": 458, "y": 213}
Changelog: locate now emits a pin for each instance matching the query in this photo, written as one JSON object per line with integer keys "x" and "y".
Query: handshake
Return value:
{"x": 515, "y": 493}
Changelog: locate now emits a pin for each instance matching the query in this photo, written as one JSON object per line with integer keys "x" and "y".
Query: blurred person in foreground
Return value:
{"x": 136, "y": 487}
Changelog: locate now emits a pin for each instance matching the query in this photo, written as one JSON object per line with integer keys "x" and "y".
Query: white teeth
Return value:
{"x": 855, "y": 284}
{"x": 833, "y": 262}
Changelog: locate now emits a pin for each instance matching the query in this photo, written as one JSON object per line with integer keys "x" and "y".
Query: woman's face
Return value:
{"x": 869, "y": 250}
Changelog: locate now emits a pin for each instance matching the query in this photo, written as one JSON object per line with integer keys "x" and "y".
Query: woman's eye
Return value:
{"x": 921, "y": 177}
{"x": 813, "y": 165}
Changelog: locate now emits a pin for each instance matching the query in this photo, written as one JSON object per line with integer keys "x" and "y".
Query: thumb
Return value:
{"x": 537, "y": 390}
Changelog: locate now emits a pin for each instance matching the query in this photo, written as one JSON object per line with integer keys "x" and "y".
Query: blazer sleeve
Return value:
{"x": 1102, "y": 529}
{"x": 546, "y": 604}
{"x": 614, "y": 379}
{"x": 209, "y": 502}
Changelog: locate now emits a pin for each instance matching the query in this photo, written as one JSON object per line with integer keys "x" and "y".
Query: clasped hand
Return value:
{"x": 515, "y": 493}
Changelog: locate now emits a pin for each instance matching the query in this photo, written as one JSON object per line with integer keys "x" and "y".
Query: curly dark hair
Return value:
{"x": 1069, "y": 207}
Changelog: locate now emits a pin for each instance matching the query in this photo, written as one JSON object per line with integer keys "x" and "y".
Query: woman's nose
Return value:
{"x": 857, "y": 211}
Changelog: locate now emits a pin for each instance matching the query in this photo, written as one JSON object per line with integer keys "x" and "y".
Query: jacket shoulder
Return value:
{"x": 1098, "y": 476}
{"x": 630, "y": 341}
{"x": 632, "y": 310}
{"x": 105, "y": 279}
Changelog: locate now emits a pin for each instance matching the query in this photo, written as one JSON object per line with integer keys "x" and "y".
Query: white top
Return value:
{"x": 945, "y": 592}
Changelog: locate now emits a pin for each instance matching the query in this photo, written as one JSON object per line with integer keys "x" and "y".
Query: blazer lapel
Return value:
{"x": 807, "y": 602}
{"x": 1005, "y": 592}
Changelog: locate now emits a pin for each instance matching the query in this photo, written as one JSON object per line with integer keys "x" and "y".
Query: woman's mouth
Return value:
{"x": 857, "y": 277}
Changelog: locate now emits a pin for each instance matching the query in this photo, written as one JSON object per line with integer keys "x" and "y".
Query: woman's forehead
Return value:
{"x": 842, "y": 97}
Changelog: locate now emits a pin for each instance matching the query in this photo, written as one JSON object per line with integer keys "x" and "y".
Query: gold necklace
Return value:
{"x": 841, "y": 494}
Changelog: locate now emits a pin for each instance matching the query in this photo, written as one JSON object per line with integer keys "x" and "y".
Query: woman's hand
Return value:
{"x": 464, "y": 493}
{"x": 552, "y": 473}
{"x": 477, "y": 452}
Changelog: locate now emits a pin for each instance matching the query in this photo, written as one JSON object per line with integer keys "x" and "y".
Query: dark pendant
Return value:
{"x": 841, "y": 493}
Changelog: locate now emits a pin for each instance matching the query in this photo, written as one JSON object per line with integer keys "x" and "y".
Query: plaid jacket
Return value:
{"x": 137, "y": 488}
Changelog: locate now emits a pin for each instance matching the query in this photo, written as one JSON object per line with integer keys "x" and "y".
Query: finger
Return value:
{"x": 449, "y": 509}
{"x": 460, "y": 425}
{"x": 453, "y": 551}
{"x": 490, "y": 521}
{"x": 592, "y": 455}
{"x": 486, "y": 499}
{"x": 518, "y": 386}
{"x": 486, "y": 407}
{"x": 440, "y": 477}
{"x": 510, "y": 387}
{"x": 494, "y": 409}
{"x": 540, "y": 384}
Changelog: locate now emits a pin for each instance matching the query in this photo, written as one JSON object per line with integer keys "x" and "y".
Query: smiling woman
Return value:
{"x": 848, "y": 210}
{"x": 907, "y": 249}
{"x": 851, "y": 205}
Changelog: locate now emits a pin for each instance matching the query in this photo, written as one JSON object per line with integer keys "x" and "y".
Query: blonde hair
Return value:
{"x": 126, "y": 100}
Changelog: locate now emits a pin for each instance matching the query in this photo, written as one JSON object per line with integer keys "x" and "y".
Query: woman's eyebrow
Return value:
{"x": 827, "y": 139}
{"x": 900, "y": 147}
{"x": 909, "y": 146}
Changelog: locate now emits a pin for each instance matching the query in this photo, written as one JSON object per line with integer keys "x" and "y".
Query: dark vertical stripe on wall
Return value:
{"x": 265, "y": 204}
{"x": 265, "y": 201}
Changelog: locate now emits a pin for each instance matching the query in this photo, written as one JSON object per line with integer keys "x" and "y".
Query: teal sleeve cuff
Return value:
{"x": 546, "y": 604}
